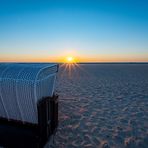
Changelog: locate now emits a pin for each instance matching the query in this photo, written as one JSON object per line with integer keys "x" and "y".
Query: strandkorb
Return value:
{"x": 22, "y": 86}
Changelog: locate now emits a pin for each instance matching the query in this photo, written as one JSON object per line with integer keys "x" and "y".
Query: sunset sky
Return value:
{"x": 89, "y": 30}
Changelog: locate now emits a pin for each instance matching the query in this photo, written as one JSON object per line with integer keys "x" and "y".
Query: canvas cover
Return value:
{"x": 22, "y": 86}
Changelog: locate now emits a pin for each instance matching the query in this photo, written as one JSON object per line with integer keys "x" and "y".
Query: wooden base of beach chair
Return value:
{"x": 17, "y": 134}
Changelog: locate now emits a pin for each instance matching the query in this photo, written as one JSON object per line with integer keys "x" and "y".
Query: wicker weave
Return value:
{"x": 22, "y": 86}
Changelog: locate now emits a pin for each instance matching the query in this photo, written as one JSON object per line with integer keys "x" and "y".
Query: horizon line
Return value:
{"x": 85, "y": 62}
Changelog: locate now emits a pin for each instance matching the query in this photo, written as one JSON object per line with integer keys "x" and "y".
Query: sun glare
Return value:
{"x": 70, "y": 60}
{"x": 70, "y": 64}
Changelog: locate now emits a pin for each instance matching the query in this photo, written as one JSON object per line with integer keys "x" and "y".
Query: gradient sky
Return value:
{"x": 89, "y": 30}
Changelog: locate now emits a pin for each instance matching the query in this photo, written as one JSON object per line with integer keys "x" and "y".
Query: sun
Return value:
{"x": 70, "y": 59}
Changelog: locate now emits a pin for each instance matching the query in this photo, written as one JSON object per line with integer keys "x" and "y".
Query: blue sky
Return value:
{"x": 93, "y": 30}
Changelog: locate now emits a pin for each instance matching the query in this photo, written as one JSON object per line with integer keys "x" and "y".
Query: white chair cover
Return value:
{"x": 22, "y": 86}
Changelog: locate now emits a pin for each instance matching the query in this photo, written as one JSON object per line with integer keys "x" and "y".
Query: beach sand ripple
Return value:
{"x": 103, "y": 106}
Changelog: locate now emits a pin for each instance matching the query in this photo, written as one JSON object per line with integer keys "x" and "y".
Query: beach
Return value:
{"x": 102, "y": 106}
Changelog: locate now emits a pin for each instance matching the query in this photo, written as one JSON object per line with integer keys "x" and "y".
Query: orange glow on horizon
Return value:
{"x": 75, "y": 58}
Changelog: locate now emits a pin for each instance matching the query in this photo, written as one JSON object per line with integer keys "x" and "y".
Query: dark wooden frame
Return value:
{"x": 16, "y": 134}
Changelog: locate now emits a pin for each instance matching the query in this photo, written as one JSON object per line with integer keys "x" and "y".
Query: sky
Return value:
{"x": 88, "y": 30}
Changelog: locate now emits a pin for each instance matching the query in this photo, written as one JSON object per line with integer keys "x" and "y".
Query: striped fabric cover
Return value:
{"x": 22, "y": 86}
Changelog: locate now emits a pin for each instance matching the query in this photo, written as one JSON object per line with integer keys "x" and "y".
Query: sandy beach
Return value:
{"x": 102, "y": 106}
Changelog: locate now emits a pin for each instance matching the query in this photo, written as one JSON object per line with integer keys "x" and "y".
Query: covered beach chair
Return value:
{"x": 28, "y": 105}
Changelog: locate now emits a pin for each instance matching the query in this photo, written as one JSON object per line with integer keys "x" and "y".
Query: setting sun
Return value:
{"x": 70, "y": 59}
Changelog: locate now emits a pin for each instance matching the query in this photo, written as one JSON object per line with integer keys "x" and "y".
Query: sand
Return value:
{"x": 103, "y": 106}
